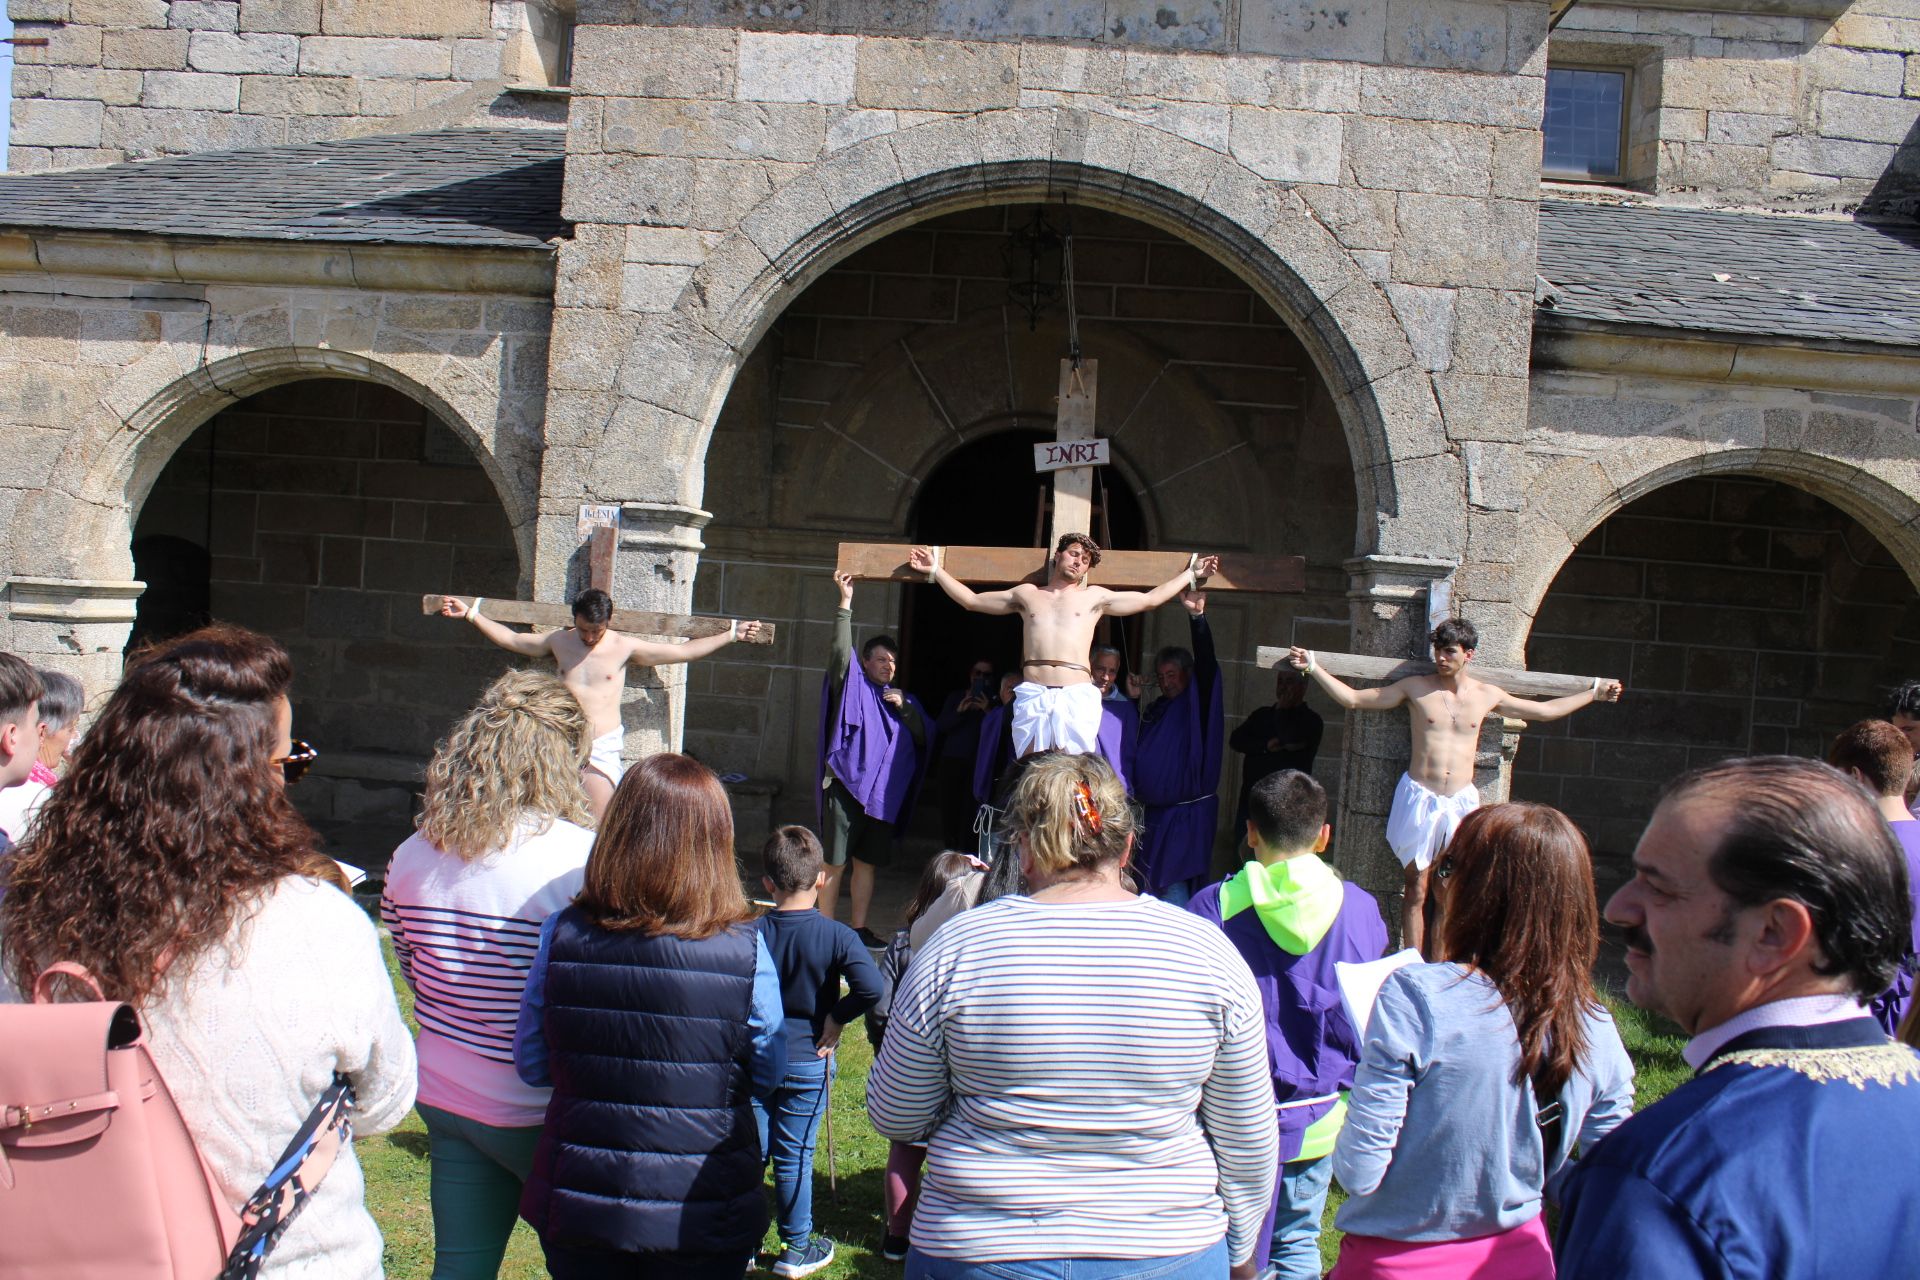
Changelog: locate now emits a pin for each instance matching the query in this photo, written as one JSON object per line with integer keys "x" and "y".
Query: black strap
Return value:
{"x": 292, "y": 1181}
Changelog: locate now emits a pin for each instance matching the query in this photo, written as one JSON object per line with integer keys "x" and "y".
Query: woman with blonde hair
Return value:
{"x": 654, "y": 1011}
{"x": 1087, "y": 1067}
{"x": 502, "y": 845}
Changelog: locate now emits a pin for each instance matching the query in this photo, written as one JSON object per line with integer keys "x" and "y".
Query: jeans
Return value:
{"x": 477, "y": 1173}
{"x": 1299, "y": 1200}
{"x": 1209, "y": 1263}
{"x": 789, "y": 1121}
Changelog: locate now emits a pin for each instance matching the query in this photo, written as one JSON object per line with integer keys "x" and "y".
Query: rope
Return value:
{"x": 1073, "y": 305}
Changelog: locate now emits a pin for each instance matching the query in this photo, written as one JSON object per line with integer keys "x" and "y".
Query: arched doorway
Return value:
{"x": 1746, "y": 615}
{"x": 319, "y": 511}
{"x": 976, "y": 497}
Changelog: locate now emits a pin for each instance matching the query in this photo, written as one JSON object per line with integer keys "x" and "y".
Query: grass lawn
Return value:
{"x": 396, "y": 1165}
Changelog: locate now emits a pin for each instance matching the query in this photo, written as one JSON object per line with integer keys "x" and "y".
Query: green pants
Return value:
{"x": 851, "y": 833}
{"x": 478, "y": 1170}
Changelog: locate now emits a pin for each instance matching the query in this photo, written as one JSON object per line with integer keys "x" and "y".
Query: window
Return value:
{"x": 1585, "y": 123}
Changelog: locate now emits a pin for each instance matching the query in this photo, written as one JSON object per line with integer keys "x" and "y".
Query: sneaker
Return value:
{"x": 870, "y": 940}
{"x": 894, "y": 1248}
{"x": 805, "y": 1259}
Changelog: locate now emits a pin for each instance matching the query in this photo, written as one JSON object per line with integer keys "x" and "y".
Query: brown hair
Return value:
{"x": 1093, "y": 548}
{"x": 20, "y": 686}
{"x": 942, "y": 870}
{"x": 171, "y": 818}
{"x": 663, "y": 859}
{"x": 791, "y": 858}
{"x": 1047, "y": 809}
{"x": 1879, "y": 751}
{"x": 1519, "y": 906}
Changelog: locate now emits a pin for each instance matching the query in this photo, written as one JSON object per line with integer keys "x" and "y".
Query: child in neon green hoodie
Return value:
{"x": 1292, "y": 918}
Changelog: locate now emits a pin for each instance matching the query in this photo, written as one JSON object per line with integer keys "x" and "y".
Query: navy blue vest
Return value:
{"x": 650, "y": 1144}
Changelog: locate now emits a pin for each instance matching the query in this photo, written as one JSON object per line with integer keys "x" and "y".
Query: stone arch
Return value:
{"x": 1580, "y": 494}
{"x": 84, "y": 516}
{"x": 677, "y": 371}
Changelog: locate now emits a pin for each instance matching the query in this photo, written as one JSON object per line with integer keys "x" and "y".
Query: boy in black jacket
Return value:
{"x": 812, "y": 954}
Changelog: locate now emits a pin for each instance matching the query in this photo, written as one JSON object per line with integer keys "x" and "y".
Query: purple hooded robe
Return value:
{"x": 1176, "y": 773}
{"x": 865, "y": 744}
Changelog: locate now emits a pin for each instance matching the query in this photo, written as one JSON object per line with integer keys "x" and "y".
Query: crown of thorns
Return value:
{"x": 1093, "y": 548}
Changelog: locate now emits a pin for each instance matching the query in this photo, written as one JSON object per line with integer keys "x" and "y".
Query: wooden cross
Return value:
{"x": 633, "y": 622}
{"x": 1072, "y": 513}
{"x": 1358, "y": 666}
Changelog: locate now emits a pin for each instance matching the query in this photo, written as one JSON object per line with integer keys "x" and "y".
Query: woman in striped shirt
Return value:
{"x": 1088, "y": 1067}
{"x": 502, "y": 845}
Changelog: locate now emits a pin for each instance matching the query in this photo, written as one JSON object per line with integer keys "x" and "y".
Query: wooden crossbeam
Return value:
{"x": 1358, "y": 666}
{"x": 673, "y": 626}
{"x": 887, "y": 562}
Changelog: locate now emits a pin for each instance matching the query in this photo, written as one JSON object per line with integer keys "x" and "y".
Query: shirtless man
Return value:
{"x": 593, "y": 662}
{"x": 1057, "y": 706}
{"x": 1447, "y": 709}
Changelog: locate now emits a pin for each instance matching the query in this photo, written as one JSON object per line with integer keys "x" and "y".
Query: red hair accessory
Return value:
{"x": 1083, "y": 805}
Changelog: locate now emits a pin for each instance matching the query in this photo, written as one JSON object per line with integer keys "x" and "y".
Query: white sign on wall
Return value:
{"x": 602, "y": 516}
{"x": 1057, "y": 455}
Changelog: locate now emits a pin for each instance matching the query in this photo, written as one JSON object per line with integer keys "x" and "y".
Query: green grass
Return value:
{"x": 847, "y": 1206}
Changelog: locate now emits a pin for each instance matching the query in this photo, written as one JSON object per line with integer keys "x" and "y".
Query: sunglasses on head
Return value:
{"x": 294, "y": 765}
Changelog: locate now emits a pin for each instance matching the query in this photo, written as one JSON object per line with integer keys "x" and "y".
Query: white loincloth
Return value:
{"x": 1049, "y": 718}
{"x": 604, "y": 759}
{"x": 1422, "y": 823}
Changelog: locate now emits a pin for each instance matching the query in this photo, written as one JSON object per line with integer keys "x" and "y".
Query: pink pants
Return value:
{"x": 903, "y": 1185}
{"x": 1520, "y": 1254}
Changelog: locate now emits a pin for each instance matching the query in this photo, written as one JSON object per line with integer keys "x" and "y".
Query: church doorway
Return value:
{"x": 977, "y": 497}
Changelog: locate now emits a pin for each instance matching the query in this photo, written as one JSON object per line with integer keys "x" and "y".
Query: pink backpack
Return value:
{"x": 99, "y": 1177}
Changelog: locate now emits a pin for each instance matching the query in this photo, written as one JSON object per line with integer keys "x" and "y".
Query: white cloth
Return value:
{"x": 249, "y": 1034}
{"x": 1049, "y": 718}
{"x": 18, "y": 805}
{"x": 1421, "y": 822}
{"x": 604, "y": 759}
{"x": 465, "y": 933}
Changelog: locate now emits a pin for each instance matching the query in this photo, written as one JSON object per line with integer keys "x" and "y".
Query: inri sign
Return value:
{"x": 1057, "y": 455}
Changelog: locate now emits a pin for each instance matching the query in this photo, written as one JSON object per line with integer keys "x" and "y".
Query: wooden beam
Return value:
{"x": 1073, "y": 487}
{"x": 600, "y": 552}
{"x": 671, "y": 626}
{"x": 1358, "y": 666}
{"x": 1000, "y": 566}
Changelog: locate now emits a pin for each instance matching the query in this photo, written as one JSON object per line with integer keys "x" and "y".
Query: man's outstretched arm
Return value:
{"x": 1557, "y": 708}
{"x": 526, "y": 644}
{"x": 1340, "y": 691}
{"x": 966, "y": 597}
{"x": 1122, "y": 604}
{"x": 652, "y": 653}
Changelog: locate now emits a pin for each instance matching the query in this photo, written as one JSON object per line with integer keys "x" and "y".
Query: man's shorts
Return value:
{"x": 1050, "y": 718}
{"x": 604, "y": 757}
{"x": 1422, "y": 823}
{"x": 852, "y": 833}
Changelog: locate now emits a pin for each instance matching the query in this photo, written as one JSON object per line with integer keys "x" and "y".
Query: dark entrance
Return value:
{"x": 985, "y": 494}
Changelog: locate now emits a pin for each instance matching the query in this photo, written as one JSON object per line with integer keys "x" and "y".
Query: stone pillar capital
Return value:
{"x": 73, "y": 600}
{"x": 1395, "y": 579}
{"x": 662, "y": 526}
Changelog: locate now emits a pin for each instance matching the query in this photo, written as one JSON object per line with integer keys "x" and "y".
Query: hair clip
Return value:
{"x": 1083, "y": 805}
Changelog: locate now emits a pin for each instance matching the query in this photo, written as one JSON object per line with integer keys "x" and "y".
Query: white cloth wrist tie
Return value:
{"x": 473, "y": 610}
{"x": 937, "y": 554}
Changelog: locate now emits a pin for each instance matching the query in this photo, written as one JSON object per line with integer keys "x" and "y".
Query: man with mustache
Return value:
{"x": 1768, "y": 904}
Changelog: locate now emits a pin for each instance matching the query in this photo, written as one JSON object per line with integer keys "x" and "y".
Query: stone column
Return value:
{"x": 75, "y": 625}
{"x": 1388, "y": 609}
{"x": 653, "y": 569}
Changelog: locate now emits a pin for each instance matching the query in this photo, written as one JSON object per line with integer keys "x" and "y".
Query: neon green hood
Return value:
{"x": 1297, "y": 899}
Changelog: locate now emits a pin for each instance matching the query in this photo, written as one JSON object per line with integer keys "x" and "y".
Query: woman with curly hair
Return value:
{"x": 502, "y": 845}
{"x": 170, "y": 864}
{"x": 1482, "y": 1073}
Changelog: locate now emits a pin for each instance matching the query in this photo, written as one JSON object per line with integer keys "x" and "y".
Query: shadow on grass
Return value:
{"x": 414, "y": 1144}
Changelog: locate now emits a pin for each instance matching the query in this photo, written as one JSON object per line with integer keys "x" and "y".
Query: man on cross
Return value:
{"x": 1447, "y": 709}
{"x": 1057, "y": 706}
{"x": 593, "y": 660}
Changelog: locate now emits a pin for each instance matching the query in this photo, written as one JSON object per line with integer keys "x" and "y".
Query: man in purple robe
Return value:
{"x": 1292, "y": 919}
{"x": 1177, "y": 767}
{"x": 1879, "y": 756}
{"x": 873, "y": 751}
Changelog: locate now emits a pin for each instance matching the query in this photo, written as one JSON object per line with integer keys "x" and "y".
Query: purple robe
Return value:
{"x": 1120, "y": 738}
{"x": 1119, "y": 735}
{"x": 1891, "y": 1005}
{"x": 994, "y": 753}
{"x": 870, "y": 749}
{"x": 1177, "y": 772}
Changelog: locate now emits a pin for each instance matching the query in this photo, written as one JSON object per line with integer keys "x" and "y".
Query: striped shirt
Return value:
{"x": 1091, "y": 1080}
{"x": 465, "y": 934}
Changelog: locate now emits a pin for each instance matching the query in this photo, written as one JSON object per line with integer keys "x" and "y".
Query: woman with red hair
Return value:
{"x": 1480, "y": 1074}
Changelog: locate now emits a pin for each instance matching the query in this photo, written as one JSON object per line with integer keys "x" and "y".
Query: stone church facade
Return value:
{"x": 398, "y": 290}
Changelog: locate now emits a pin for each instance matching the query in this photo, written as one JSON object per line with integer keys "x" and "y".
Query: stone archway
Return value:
{"x": 643, "y": 423}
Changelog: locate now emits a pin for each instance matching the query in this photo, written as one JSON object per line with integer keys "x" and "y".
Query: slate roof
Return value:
{"x": 487, "y": 187}
{"x": 1744, "y": 273}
